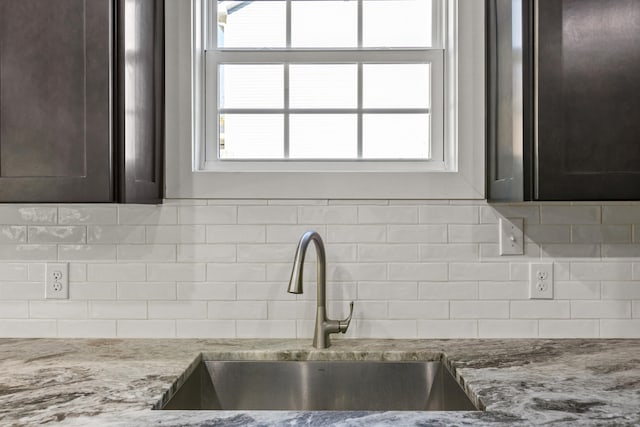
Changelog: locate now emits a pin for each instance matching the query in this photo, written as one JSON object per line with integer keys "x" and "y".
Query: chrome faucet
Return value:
{"x": 324, "y": 326}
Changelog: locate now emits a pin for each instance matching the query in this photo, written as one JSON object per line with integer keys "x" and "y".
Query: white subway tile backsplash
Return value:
{"x": 553, "y": 214}
{"x": 601, "y": 233}
{"x": 328, "y": 215}
{"x": 486, "y": 233}
{"x": 448, "y": 290}
{"x": 479, "y": 271}
{"x": 177, "y": 309}
{"x": 507, "y": 328}
{"x": 237, "y": 310}
{"x": 576, "y": 290}
{"x": 600, "y": 309}
{"x": 394, "y": 329}
{"x": 387, "y": 291}
{"x": 356, "y": 233}
{"x": 86, "y": 328}
{"x": 116, "y": 272}
{"x": 167, "y": 234}
{"x": 176, "y": 272}
{"x": 207, "y": 215}
{"x": 479, "y": 309}
{"x": 104, "y": 234}
{"x": 32, "y": 215}
{"x": 266, "y": 328}
{"x": 548, "y": 233}
{"x": 13, "y": 234}
{"x": 378, "y": 252}
{"x": 621, "y": 290}
{"x": 28, "y": 253}
{"x": 613, "y": 328}
{"x": 118, "y": 309}
{"x": 387, "y": 215}
{"x": 436, "y": 329}
{"x": 490, "y": 214}
{"x": 28, "y": 328}
{"x": 93, "y": 291}
{"x": 205, "y": 328}
{"x": 21, "y": 291}
{"x": 58, "y": 309}
{"x": 267, "y": 215}
{"x": 418, "y": 310}
{"x": 235, "y": 234}
{"x": 146, "y": 291}
{"x": 206, "y": 253}
{"x": 601, "y": 271}
{"x": 231, "y": 272}
{"x": 154, "y": 253}
{"x": 449, "y": 215}
{"x": 569, "y": 328}
{"x": 510, "y": 290}
{"x": 206, "y": 291}
{"x": 621, "y": 214}
{"x": 14, "y": 309}
{"x": 449, "y": 252}
{"x": 415, "y": 268}
{"x": 417, "y": 233}
{"x": 15, "y": 272}
{"x": 540, "y": 309}
{"x": 147, "y": 215}
{"x": 88, "y": 215}
{"x": 89, "y": 253}
{"x": 146, "y": 328}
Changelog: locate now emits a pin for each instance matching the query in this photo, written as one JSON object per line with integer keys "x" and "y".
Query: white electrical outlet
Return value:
{"x": 57, "y": 281}
{"x": 541, "y": 280}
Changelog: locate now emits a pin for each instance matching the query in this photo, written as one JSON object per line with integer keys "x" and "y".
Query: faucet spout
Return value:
{"x": 324, "y": 326}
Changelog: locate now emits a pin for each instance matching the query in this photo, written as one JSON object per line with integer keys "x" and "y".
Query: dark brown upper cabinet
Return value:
{"x": 563, "y": 107}
{"x": 81, "y": 100}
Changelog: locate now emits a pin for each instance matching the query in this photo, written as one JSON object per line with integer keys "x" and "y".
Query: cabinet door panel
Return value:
{"x": 141, "y": 99}
{"x": 588, "y": 100}
{"x": 55, "y": 126}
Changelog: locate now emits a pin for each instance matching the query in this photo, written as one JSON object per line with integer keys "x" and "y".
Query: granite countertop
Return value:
{"x": 115, "y": 382}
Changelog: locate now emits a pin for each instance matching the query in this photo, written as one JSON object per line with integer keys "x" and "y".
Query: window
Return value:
{"x": 325, "y": 98}
{"x": 325, "y": 80}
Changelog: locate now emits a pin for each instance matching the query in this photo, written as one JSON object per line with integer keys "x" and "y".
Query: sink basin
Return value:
{"x": 318, "y": 386}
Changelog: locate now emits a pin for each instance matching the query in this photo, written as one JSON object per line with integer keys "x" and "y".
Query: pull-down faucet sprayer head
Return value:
{"x": 295, "y": 283}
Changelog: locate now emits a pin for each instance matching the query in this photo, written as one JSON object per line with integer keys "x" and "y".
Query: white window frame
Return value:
{"x": 459, "y": 176}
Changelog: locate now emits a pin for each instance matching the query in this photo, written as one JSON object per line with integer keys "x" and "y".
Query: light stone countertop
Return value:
{"x": 115, "y": 382}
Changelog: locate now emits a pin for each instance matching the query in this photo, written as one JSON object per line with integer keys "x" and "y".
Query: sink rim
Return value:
{"x": 316, "y": 356}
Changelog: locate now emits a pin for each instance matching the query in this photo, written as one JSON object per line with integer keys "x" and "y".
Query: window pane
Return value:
{"x": 397, "y": 23}
{"x": 324, "y": 23}
{"x": 395, "y": 136}
{"x": 323, "y": 86}
{"x": 252, "y": 24}
{"x": 323, "y": 136}
{"x": 396, "y": 85}
{"x": 251, "y": 86}
{"x": 251, "y": 136}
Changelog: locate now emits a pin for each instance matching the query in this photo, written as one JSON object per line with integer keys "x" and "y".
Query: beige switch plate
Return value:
{"x": 511, "y": 236}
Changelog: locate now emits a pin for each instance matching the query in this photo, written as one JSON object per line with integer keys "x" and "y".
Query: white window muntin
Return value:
{"x": 433, "y": 56}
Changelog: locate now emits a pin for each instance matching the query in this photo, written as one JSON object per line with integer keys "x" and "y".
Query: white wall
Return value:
{"x": 415, "y": 269}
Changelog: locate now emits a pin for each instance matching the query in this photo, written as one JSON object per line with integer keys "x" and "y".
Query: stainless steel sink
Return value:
{"x": 318, "y": 386}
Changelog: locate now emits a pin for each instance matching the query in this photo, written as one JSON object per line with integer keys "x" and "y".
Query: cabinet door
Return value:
{"x": 55, "y": 115}
{"x": 588, "y": 100}
{"x": 140, "y": 99}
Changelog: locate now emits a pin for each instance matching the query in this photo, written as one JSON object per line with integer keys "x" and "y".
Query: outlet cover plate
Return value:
{"x": 511, "y": 236}
{"x": 541, "y": 280}
{"x": 57, "y": 281}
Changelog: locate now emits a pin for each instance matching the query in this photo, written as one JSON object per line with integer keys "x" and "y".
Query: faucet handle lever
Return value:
{"x": 343, "y": 325}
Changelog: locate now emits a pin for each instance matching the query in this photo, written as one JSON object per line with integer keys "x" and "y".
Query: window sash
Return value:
{"x": 433, "y": 57}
